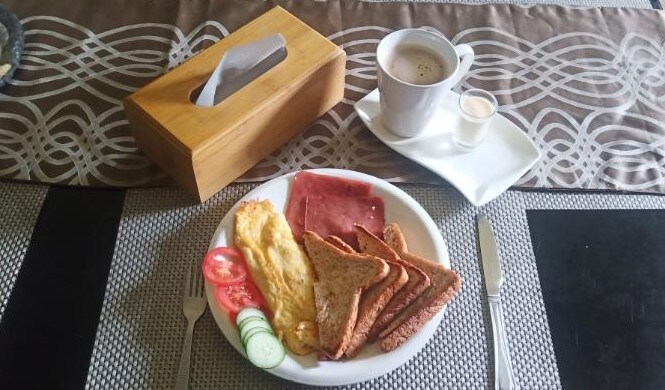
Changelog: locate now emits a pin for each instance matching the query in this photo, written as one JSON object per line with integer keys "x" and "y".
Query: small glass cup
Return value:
{"x": 476, "y": 109}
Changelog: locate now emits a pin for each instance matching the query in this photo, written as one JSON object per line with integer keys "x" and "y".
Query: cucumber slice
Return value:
{"x": 245, "y": 338}
{"x": 252, "y": 323}
{"x": 265, "y": 350}
{"x": 249, "y": 312}
{"x": 248, "y": 319}
{"x": 255, "y": 324}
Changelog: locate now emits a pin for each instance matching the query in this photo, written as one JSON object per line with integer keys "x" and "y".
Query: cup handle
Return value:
{"x": 465, "y": 53}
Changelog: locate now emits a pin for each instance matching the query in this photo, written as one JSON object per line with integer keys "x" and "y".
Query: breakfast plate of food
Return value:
{"x": 328, "y": 277}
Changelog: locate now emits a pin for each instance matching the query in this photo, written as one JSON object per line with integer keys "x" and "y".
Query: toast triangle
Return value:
{"x": 444, "y": 285}
{"x": 340, "y": 279}
{"x": 375, "y": 298}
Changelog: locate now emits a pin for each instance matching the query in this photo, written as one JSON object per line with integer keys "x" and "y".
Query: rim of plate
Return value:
{"x": 338, "y": 373}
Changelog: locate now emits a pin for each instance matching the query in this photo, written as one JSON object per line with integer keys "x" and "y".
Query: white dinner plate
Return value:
{"x": 481, "y": 174}
{"x": 423, "y": 238}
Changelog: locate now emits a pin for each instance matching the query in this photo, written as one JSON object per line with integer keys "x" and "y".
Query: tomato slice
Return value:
{"x": 224, "y": 266}
{"x": 235, "y": 297}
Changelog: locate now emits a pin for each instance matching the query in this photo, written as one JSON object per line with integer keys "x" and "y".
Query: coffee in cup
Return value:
{"x": 417, "y": 68}
{"x": 416, "y": 64}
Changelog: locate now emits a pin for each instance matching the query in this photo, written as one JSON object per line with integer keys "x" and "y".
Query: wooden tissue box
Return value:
{"x": 206, "y": 148}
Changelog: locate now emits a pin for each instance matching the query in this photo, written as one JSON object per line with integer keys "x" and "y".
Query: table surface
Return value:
{"x": 128, "y": 332}
{"x": 91, "y": 290}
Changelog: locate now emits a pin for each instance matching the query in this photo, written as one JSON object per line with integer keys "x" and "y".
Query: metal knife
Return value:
{"x": 503, "y": 371}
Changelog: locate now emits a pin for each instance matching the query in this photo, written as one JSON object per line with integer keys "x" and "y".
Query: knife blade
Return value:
{"x": 504, "y": 378}
{"x": 490, "y": 257}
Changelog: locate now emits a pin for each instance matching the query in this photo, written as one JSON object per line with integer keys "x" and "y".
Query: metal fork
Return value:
{"x": 194, "y": 304}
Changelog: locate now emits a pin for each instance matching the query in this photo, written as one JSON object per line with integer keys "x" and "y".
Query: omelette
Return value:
{"x": 281, "y": 270}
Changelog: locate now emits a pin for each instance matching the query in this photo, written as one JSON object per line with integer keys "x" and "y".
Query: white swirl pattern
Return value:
{"x": 84, "y": 137}
{"x": 595, "y": 107}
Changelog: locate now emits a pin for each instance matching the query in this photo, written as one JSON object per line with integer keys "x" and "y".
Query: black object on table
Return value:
{"x": 602, "y": 274}
{"x": 48, "y": 328}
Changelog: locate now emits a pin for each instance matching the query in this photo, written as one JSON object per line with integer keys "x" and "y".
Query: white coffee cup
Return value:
{"x": 406, "y": 109}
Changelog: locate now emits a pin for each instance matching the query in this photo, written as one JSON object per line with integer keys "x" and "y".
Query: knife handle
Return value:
{"x": 503, "y": 371}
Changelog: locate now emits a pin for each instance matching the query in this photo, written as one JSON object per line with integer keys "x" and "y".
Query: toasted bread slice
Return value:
{"x": 340, "y": 278}
{"x": 338, "y": 242}
{"x": 375, "y": 298}
{"x": 417, "y": 282}
{"x": 444, "y": 284}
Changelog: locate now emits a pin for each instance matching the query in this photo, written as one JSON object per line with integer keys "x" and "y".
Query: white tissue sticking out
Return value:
{"x": 239, "y": 66}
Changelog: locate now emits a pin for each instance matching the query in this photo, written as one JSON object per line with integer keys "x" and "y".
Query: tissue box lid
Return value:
{"x": 167, "y": 100}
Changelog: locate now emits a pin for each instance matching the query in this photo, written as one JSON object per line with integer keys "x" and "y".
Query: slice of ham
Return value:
{"x": 310, "y": 184}
{"x": 332, "y": 215}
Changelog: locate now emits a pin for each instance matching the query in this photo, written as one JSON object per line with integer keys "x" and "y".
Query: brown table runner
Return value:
{"x": 585, "y": 84}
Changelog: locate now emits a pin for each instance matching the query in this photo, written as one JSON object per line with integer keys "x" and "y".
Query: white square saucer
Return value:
{"x": 481, "y": 174}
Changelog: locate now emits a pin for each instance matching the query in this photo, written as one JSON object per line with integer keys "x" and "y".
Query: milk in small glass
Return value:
{"x": 476, "y": 109}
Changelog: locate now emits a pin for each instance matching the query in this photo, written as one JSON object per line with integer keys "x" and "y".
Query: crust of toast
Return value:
{"x": 444, "y": 285}
{"x": 341, "y": 277}
{"x": 417, "y": 282}
{"x": 375, "y": 298}
{"x": 338, "y": 242}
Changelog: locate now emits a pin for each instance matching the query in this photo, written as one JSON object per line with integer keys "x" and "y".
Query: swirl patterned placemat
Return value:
{"x": 584, "y": 83}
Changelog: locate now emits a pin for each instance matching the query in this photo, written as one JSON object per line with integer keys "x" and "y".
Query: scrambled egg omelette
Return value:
{"x": 281, "y": 270}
